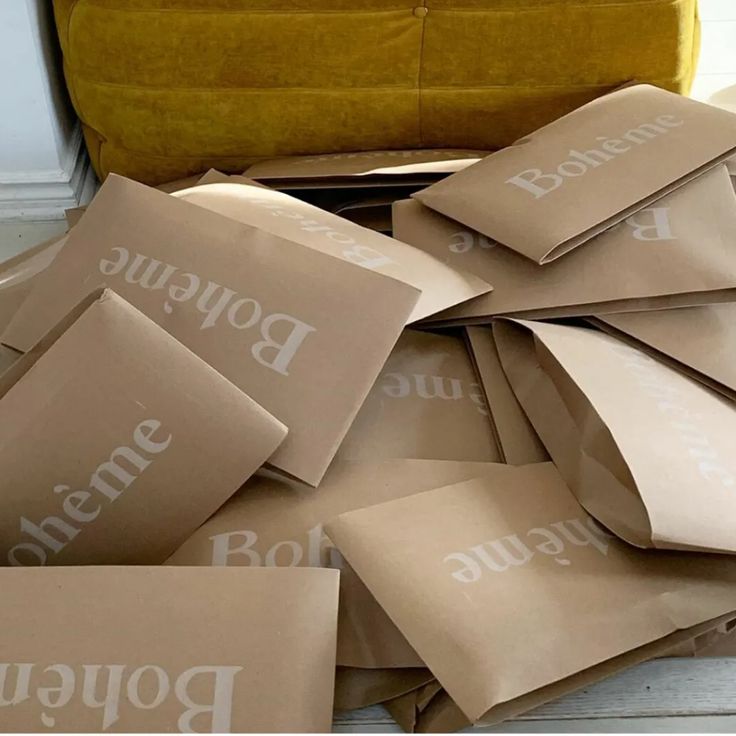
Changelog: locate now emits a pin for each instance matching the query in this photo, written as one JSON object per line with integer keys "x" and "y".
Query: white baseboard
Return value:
{"x": 38, "y": 196}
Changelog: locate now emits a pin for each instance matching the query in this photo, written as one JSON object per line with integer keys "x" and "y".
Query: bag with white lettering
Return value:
{"x": 426, "y": 404}
{"x": 273, "y": 522}
{"x": 649, "y": 452}
{"x": 378, "y": 169}
{"x": 572, "y": 179}
{"x": 517, "y": 441}
{"x": 513, "y": 566}
{"x": 117, "y": 442}
{"x": 300, "y": 222}
{"x": 700, "y": 341}
{"x": 304, "y": 334}
{"x": 669, "y": 254}
{"x": 161, "y": 649}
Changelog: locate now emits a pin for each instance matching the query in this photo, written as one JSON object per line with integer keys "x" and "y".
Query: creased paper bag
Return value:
{"x": 358, "y": 688}
{"x": 300, "y": 222}
{"x": 678, "y": 251}
{"x": 427, "y": 403}
{"x": 160, "y": 650}
{"x": 572, "y": 179}
{"x": 361, "y": 168}
{"x": 649, "y": 452}
{"x": 271, "y": 522}
{"x": 699, "y": 341}
{"x": 302, "y": 333}
{"x": 516, "y": 439}
{"x": 117, "y": 442}
{"x": 513, "y": 567}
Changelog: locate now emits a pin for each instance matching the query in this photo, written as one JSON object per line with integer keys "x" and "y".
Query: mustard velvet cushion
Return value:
{"x": 167, "y": 88}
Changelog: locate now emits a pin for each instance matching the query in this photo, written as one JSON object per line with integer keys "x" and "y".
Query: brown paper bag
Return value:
{"x": 359, "y": 688}
{"x": 377, "y": 168}
{"x": 18, "y": 276}
{"x": 110, "y": 433}
{"x": 406, "y": 709}
{"x": 513, "y": 567}
{"x": 156, "y": 649}
{"x": 517, "y": 441}
{"x": 699, "y": 341}
{"x": 273, "y": 522}
{"x": 371, "y": 212}
{"x": 427, "y": 403}
{"x": 300, "y": 222}
{"x": 649, "y": 452}
{"x": 304, "y": 334}
{"x": 574, "y": 178}
{"x": 73, "y": 216}
{"x": 678, "y": 252}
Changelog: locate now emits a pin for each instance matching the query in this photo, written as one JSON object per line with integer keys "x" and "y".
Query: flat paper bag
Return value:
{"x": 679, "y": 251}
{"x": 649, "y": 452}
{"x": 300, "y": 222}
{"x": 117, "y": 442}
{"x": 427, "y": 403}
{"x": 304, "y": 334}
{"x": 272, "y": 522}
{"x": 359, "y": 168}
{"x": 699, "y": 341}
{"x": 157, "y": 649}
{"x": 504, "y": 568}
{"x": 596, "y": 166}
{"x": 517, "y": 441}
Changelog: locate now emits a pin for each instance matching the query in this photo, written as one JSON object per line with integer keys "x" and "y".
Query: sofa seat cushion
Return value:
{"x": 166, "y": 88}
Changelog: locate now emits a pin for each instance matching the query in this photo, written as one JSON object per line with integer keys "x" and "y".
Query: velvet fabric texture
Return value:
{"x": 167, "y": 88}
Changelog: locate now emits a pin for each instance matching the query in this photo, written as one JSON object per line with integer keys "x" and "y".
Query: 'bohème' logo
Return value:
{"x": 82, "y": 507}
{"x": 351, "y": 250}
{"x": 540, "y": 184}
{"x": 500, "y": 555}
{"x": 214, "y": 302}
{"x": 108, "y": 687}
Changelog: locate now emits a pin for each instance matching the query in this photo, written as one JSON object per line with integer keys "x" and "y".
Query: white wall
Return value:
{"x": 43, "y": 166}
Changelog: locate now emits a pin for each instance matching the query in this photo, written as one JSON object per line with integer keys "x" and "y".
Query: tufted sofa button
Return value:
{"x": 421, "y": 11}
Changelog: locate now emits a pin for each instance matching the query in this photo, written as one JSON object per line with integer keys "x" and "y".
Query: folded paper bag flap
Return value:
{"x": 591, "y": 169}
{"x": 441, "y": 286}
{"x": 29, "y": 359}
{"x": 634, "y": 426}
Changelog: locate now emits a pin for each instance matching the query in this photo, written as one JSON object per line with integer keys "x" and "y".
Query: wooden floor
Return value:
{"x": 665, "y": 695}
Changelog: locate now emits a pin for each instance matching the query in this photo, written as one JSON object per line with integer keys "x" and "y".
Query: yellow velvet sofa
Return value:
{"x": 166, "y": 88}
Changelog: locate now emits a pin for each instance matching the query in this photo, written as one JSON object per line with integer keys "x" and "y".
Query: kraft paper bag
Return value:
{"x": 360, "y": 688}
{"x": 19, "y": 274}
{"x": 406, "y": 709}
{"x": 517, "y": 441}
{"x": 304, "y": 334}
{"x": 378, "y": 168}
{"x": 371, "y": 212}
{"x": 427, "y": 403}
{"x": 73, "y": 216}
{"x": 649, "y": 452}
{"x": 676, "y": 252}
{"x": 111, "y": 430}
{"x": 157, "y": 649}
{"x": 572, "y": 179}
{"x": 273, "y": 522}
{"x": 699, "y": 341}
{"x": 290, "y": 218}
{"x": 513, "y": 566}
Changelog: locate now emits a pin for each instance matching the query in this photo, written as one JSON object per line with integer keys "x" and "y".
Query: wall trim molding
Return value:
{"x": 33, "y": 196}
